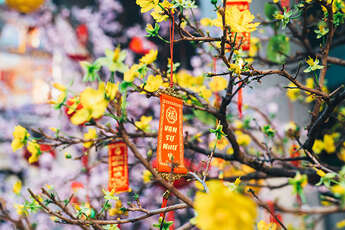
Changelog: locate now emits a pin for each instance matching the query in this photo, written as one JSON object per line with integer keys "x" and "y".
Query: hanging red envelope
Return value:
{"x": 118, "y": 167}
{"x": 170, "y": 149}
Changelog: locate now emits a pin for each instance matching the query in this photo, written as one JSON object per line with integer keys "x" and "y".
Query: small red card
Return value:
{"x": 118, "y": 167}
{"x": 170, "y": 135}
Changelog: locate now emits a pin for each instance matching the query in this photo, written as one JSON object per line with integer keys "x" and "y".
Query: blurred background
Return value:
{"x": 44, "y": 42}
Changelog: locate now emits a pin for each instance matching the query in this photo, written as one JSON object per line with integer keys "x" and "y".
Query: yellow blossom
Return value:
{"x": 149, "y": 58}
{"x": 262, "y": 225}
{"x": 235, "y": 68}
{"x": 153, "y": 83}
{"x": 117, "y": 209}
{"x": 340, "y": 224}
{"x": 158, "y": 13}
{"x": 90, "y": 135}
{"x": 218, "y": 84}
{"x": 206, "y": 22}
{"x": 198, "y": 185}
{"x": 338, "y": 189}
{"x": 20, "y": 135}
{"x": 185, "y": 80}
{"x": 293, "y": 93}
{"x": 53, "y": 129}
{"x": 239, "y": 21}
{"x": 17, "y": 187}
{"x": 318, "y": 146}
{"x": 35, "y": 151}
{"x": 223, "y": 209}
{"x": 320, "y": 172}
{"x": 221, "y": 144}
{"x": 147, "y": 176}
{"x": 341, "y": 155}
{"x": 132, "y": 73}
{"x": 254, "y": 46}
{"x": 59, "y": 86}
{"x": 309, "y": 84}
{"x": 278, "y": 16}
{"x": 20, "y": 209}
{"x": 230, "y": 151}
{"x": 147, "y": 5}
{"x": 329, "y": 143}
{"x": 237, "y": 181}
{"x": 144, "y": 123}
{"x": 242, "y": 139}
{"x": 111, "y": 89}
{"x": 94, "y": 105}
{"x": 62, "y": 96}
{"x": 205, "y": 92}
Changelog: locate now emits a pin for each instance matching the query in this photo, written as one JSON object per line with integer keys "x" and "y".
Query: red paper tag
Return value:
{"x": 170, "y": 135}
{"x": 285, "y": 4}
{"x": 242, "y": 38}
{"x": 118, "y": 167}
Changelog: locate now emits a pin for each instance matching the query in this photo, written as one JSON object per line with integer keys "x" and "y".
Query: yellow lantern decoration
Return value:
{"x": 25, "y": 6}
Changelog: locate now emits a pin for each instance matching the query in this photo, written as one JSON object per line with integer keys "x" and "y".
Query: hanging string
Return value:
{"x": 171, "y": 32}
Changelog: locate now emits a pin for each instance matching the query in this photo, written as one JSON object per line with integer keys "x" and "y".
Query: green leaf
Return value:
{"x": 278, "y": 48}
{"x": 205, "y": 117}
{"x": 124, "y": 86}
{"x": 270, "y": 9}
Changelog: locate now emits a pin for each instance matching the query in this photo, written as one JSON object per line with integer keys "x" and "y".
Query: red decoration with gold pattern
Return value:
{"x": 170, "y": 135}
{"x": 118, "y": 167}
{"x": 242, "y": 38}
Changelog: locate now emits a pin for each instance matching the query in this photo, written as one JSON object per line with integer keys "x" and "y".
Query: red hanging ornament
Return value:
{"x": 242, "y": 38}
{"x": 118, "y": 167}
{"x": 170, "y": 148}
{"x": 272, "y": 214}
{"x": 82, "y": 34}
{"x": 240, "y": 101}
{"x": 141, "y": 46}
{"x": 285, "y": 4}
{"x": 293, "y": 154}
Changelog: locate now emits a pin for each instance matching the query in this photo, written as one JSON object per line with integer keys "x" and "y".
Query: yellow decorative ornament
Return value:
{"x": 25, "y": 6}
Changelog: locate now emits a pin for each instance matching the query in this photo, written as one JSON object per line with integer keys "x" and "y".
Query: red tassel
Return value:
{"x": 164, "y": 204}
{"x": 171, "y": 217}
{"x": 240, "y": 101}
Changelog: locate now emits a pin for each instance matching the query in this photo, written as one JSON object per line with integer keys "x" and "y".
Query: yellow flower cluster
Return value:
{"x": 17, "y": 187}
{"x": 62, "y": 96}
{"x": 149, "y": 58}
{"x": 147, "y": 176}
{"x": 242, "y": 139}
{"x": 262, "y": 225}
{"x": 239, "y": 21}
{"x": 223, "y": 209}
{"x": 218, "y": 84}
{"x": 94, "y": 104}
{"x": 327, "y": 144}
{"x": 144, "y": 123}
{"x": 90, "y": 135}
{"x": 117, "y": 209}
{"x": 20, "y": 135}
{"x": 295, "y": 93}
{"x": 158, "y": 13}
{"x": 35, "y": 151}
